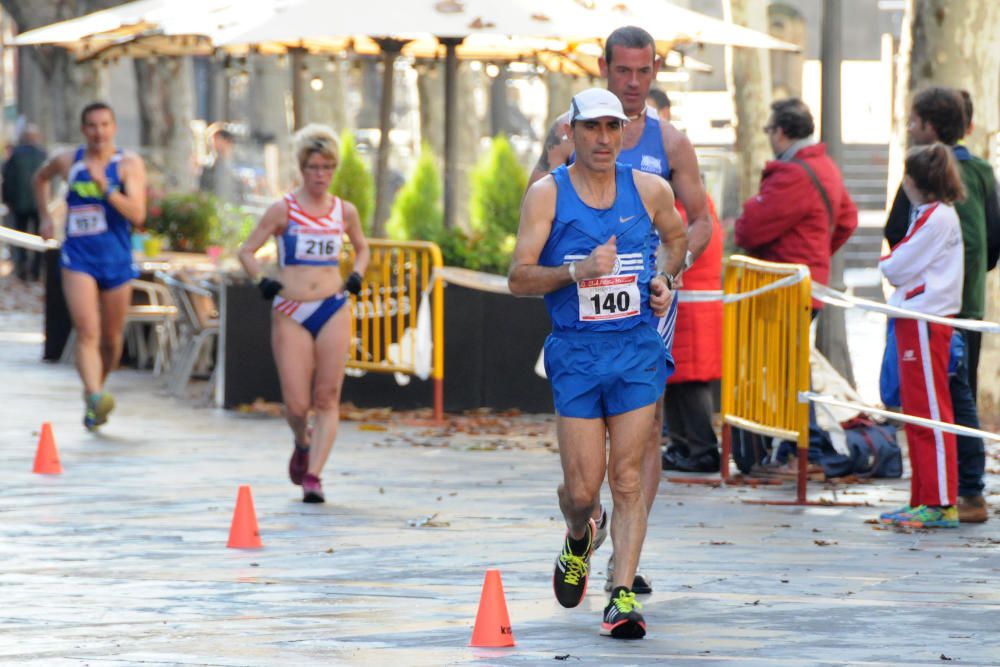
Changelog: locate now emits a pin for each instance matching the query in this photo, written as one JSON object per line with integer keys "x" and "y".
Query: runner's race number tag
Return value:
{"x": 608, "y": 298}
{"x": 317, "y": 247}
{"x": 86, "y": 220}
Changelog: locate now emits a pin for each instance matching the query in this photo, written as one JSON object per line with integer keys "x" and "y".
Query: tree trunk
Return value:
{"x": 831, "y": 328}
{"x": 561, "y": 89}
{"x": 166, "y": 108}
{"x": 52, "y": 88}
{"x": 787, "y": 23}
{"x": 748, "y": 74}
{"x": 430, "y": 94}
{"x": 954, "y": 44}
{"x": 270, "y": 122}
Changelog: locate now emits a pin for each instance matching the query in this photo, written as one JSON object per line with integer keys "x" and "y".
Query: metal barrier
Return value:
{"x": 384, "y": 321}
{"x": 765, "y": 356}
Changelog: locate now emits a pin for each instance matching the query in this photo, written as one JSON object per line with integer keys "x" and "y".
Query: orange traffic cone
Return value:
{"x": 244, "y": 533}
{"x": 492, "y": 623}
{"x": 46, "y": 457}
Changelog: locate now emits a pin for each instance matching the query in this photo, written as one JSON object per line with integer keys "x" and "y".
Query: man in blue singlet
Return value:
{"x": 106, "y": 198}
{"x": 654, "y": 146}
{"x": 587, "y": 243}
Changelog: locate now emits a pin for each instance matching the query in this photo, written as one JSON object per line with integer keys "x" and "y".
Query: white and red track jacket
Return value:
{"x": 928, "y": 265}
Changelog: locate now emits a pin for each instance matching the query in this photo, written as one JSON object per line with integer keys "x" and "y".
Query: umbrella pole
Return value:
{"x": 390, "y": 51}
{"x": 450, "y": 126}
{"x": 296, "y": 61}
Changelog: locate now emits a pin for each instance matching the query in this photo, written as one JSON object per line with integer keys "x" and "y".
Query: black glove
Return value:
{"x": 269, "y": 288}
{"x": 353, "y": 283}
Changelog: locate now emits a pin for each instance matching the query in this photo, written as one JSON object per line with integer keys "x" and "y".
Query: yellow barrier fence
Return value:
{"x": 765, "y": 355}
{"x": 384, "y": 320}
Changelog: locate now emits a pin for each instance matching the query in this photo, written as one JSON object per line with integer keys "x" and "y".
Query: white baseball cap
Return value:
{"x": 596, "y": 103}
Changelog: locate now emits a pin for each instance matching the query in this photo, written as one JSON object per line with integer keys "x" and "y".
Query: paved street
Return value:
{"x": 122, "y": 559}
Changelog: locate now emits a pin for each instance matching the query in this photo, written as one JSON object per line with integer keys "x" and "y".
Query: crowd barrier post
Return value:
{"x": 384, "y": 314}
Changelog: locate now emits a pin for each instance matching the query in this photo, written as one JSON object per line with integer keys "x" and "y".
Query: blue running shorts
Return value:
{"x": 108, "y": 276}
{"x": 666, "y": 326}
{"x": 310, "y": 314}
{"x": 602, "y": 374}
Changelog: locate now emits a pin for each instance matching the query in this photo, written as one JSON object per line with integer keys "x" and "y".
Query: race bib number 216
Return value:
{"x": 608, "y": 298}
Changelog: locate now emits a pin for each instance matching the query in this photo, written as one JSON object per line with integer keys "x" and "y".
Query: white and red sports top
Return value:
{"x": 928, "y": 266}
{"x": 310, "y": 240}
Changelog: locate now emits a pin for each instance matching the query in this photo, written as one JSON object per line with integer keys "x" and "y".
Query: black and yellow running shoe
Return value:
{"x": 569, "y": 582}
{"x": 622, "y": 619}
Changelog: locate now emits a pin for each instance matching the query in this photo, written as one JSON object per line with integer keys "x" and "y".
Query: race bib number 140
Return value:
{"x": 608, "y": 298}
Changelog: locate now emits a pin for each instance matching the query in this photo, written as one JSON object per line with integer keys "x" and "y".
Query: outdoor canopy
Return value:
{"x": 177, "y": 27}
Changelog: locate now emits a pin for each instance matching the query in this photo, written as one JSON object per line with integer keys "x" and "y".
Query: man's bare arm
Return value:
{"x": 527, "y": 277}
{"x": 555, "y": 151}
{"x": 57, "y": 165}
{"x": 686, "y": 182}
{"x": 658, "y": 198}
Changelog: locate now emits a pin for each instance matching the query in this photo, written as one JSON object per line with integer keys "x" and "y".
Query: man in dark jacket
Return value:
{"x": 20, "y": 200}
{"x": 940, "y": 114}
{"x": 802, "y": 212}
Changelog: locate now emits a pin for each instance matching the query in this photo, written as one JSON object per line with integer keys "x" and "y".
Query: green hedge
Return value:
{"x": 353, "y": 180}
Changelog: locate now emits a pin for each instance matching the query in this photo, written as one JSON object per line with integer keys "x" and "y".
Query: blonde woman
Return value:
{"x": 309, "y": 317}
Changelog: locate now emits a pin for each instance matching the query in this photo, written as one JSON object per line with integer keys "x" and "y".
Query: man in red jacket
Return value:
{"x": 802, "y": 212}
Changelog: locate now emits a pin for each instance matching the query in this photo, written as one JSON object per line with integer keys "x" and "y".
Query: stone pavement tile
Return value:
{"x": 121, "y": 560}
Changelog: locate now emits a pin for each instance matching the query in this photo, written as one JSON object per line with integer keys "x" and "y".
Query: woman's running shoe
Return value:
{"x": 298, "y": 464}
{"x": 312, "y": 489}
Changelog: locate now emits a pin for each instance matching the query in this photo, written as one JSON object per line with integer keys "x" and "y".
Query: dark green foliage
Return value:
{"x": 353, "y": 180}
{"x": 416, "y": 213}
{"x": 187, "y": 220}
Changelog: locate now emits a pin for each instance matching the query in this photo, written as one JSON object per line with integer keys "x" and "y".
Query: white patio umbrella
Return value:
{"x": 176, "y": 27}
{"x": 394, "y": 23}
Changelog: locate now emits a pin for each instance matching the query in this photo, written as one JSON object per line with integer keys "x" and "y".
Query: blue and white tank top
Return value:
{"x": 618, "y": 301}
{"x": 649, "y": 154}
{"x": 309, "y": 240}
{"x": 96, "y": 232}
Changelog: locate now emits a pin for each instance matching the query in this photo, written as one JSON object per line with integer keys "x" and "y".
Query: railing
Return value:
{"x": 386, "y": 330}
{"x": 765, "y": 355}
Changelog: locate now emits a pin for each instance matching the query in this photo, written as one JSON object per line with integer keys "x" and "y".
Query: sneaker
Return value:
{"x": 972, "y": 509}
{"x": 312, "y": 489}
{"x": 926, "y": 516}
{"x": 641, "y": 584}
{"x": 601, "y": 533}
{"x": 894, "y": 516}
{"x": 298, "y": 464}
{"x": 622, "y": 619}
{"x": 97, "y": 408}
{"x": 569, "y": 581}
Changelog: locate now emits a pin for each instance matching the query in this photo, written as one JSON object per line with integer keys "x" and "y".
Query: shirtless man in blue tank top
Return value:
{"x": 586, "y": 242}
{"x": 105, "y": 200}
{"x": 654, "y": 146}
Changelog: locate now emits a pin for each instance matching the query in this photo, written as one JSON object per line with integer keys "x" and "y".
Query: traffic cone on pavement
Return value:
{"x": 244, "y": 533}
{"x": 492, "y": 622}
{"x": 46, "y": 457}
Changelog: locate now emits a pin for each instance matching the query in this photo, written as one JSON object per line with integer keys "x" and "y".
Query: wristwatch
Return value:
{"x": 669, "y": 278}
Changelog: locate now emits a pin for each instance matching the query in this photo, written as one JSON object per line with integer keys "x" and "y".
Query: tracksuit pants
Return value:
{"x": 922, "y": 348}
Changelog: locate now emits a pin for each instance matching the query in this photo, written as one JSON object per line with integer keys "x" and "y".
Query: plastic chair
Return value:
{"x": 199, "y": 327}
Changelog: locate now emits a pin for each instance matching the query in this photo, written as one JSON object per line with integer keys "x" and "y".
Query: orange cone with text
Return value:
{"x": 47, "y": 458}
{"x": 492, "y": 623}
{"x": 244, "y": 533}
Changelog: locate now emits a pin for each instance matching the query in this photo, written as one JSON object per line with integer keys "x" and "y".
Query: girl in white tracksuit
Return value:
{"x": 927, "y": 269}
